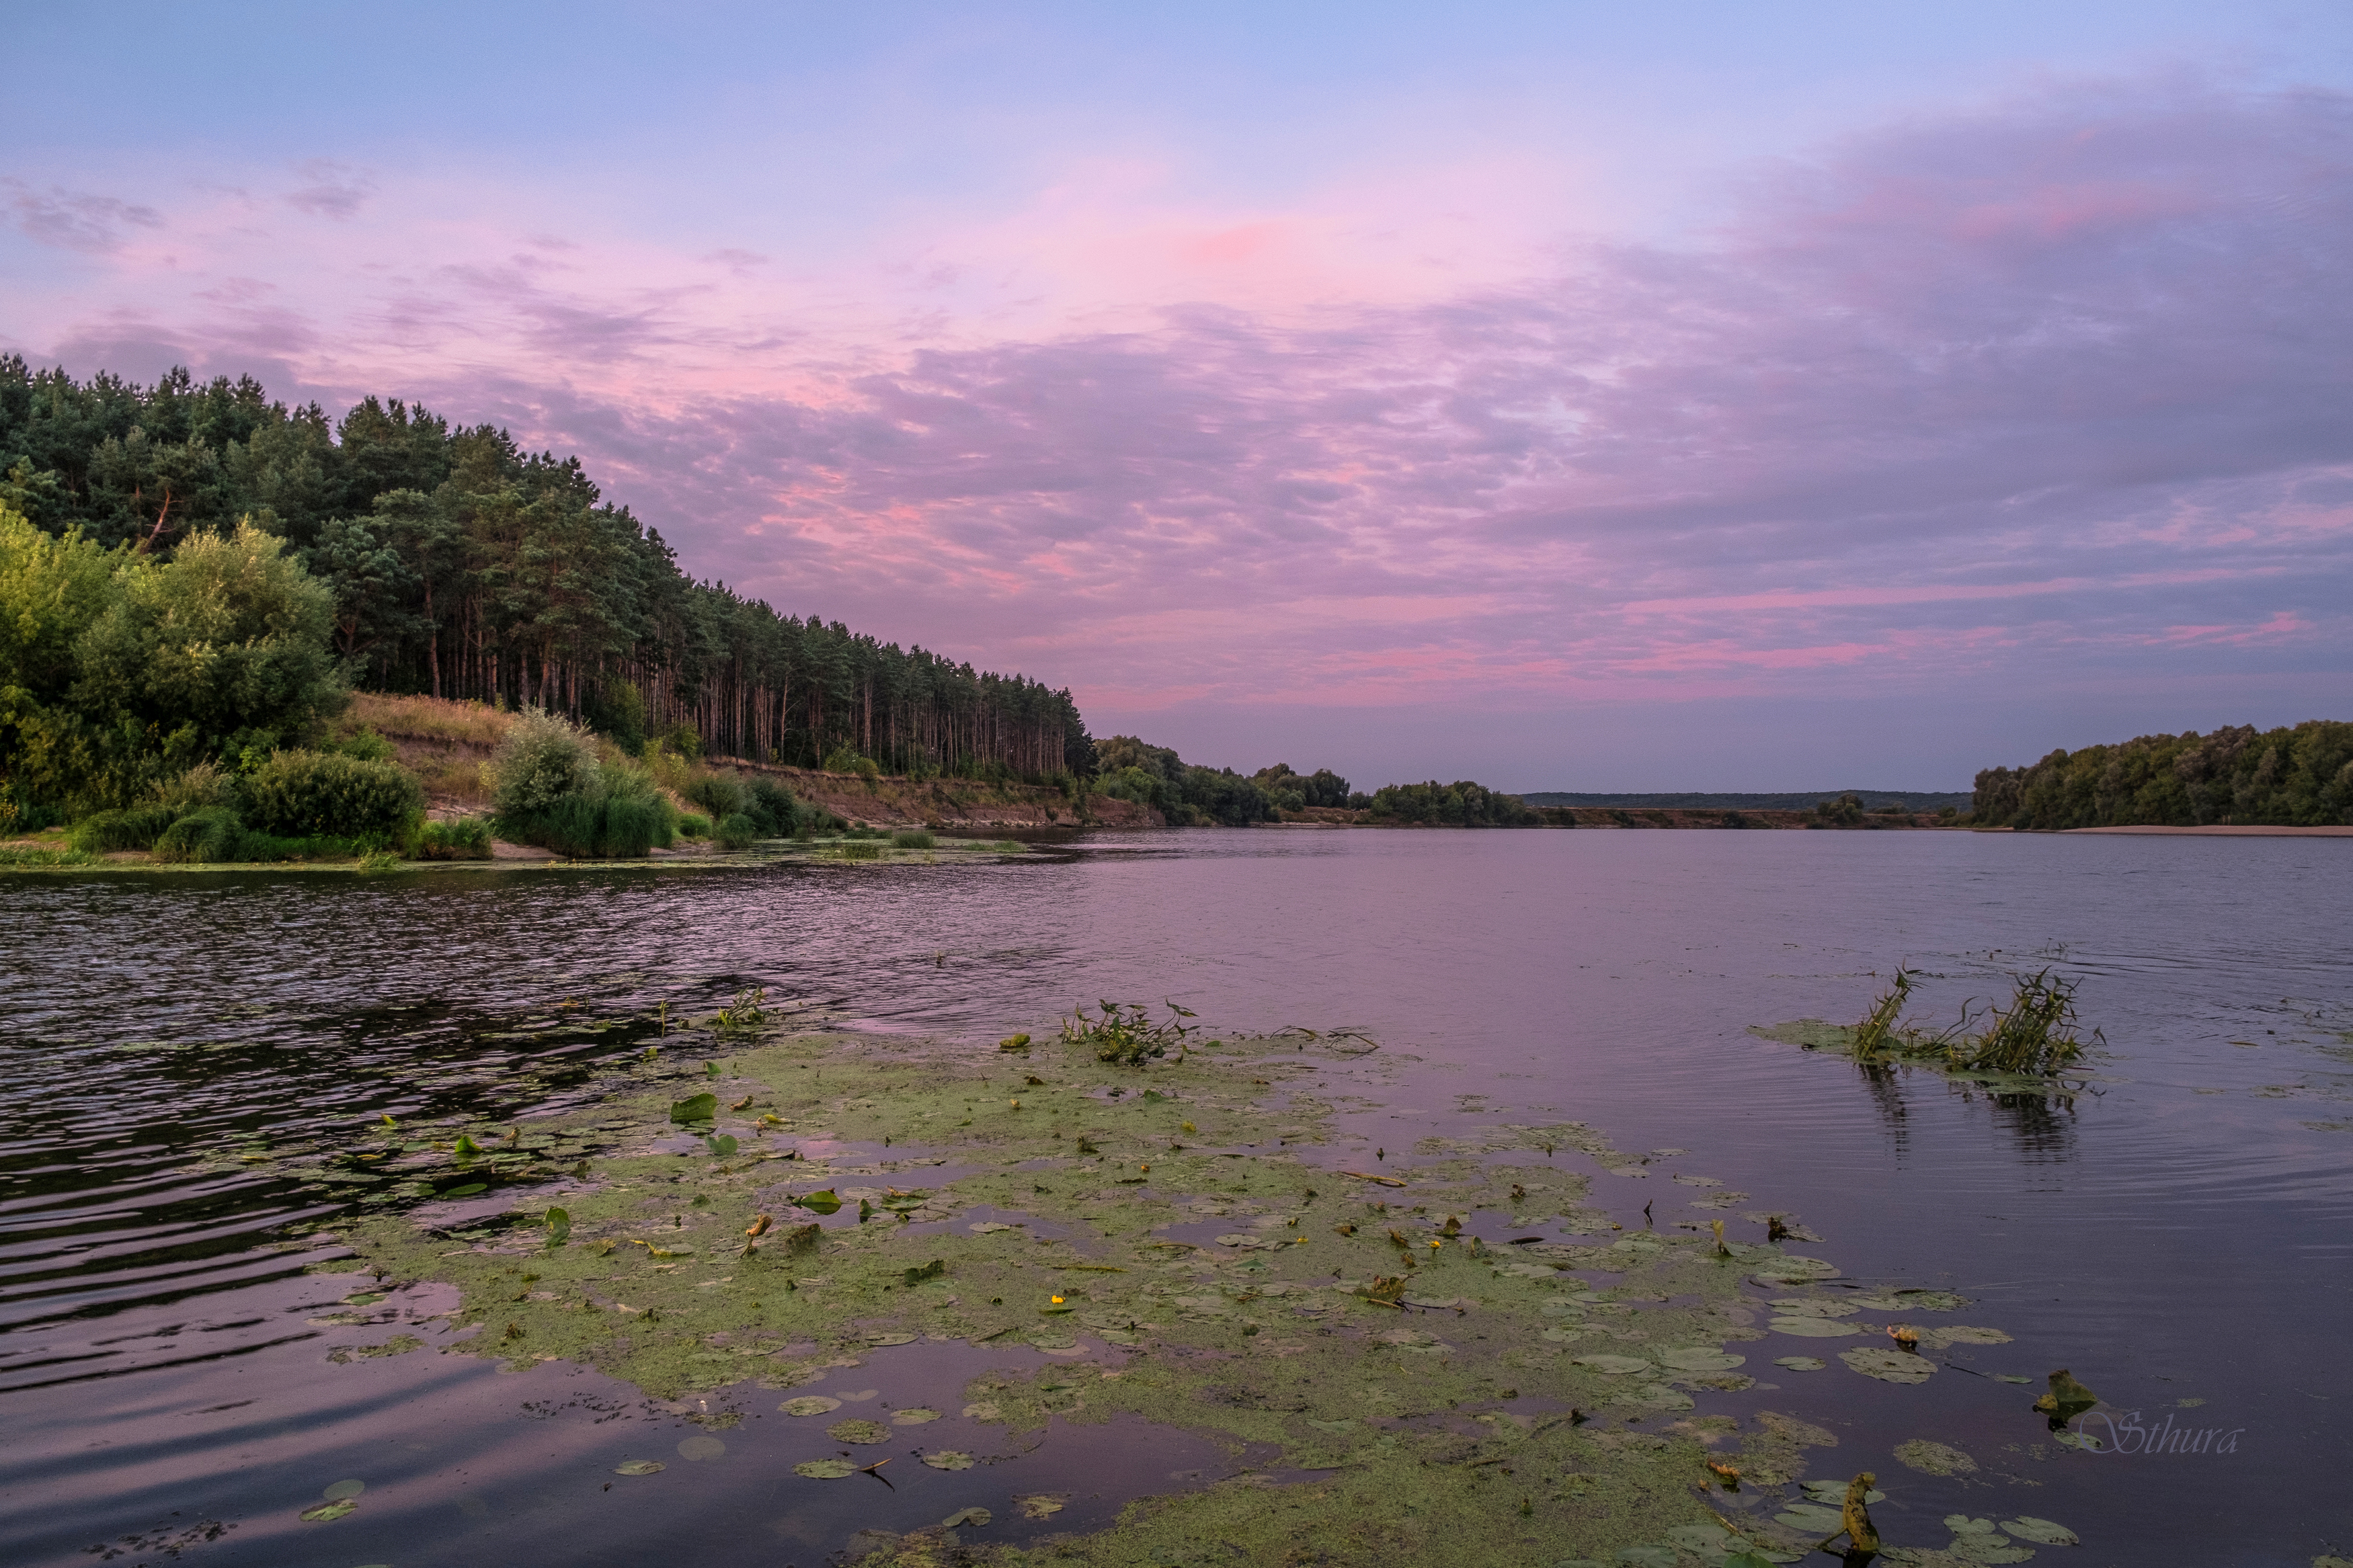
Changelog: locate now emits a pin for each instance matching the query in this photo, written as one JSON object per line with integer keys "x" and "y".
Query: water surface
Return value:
{"x": 2175, "y": 1233}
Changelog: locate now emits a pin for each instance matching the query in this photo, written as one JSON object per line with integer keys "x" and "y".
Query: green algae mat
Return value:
{"x": 1400, "y": 1374}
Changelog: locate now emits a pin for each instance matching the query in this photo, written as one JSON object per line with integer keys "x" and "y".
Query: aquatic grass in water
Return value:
{"x": 913, "y": 839}
{"x": 2034, "y": 1036}
{"x": 1126, "y": 1034}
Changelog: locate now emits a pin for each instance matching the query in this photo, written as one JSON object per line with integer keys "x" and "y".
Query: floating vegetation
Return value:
{"x": 1126, "y": 1034}
{"x": 747, "y": 1011}
{"x": 2035, "y": 1036}
{"x": 2066, "y": 1400}
{"x": 1356, "y": 1327}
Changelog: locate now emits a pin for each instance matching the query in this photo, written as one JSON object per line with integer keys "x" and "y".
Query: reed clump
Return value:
{"x": 2035, "y": 1036}
{"x": 913, "y": 839}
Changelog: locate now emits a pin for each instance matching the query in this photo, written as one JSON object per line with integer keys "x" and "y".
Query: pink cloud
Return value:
{"x": 2025, "y": 394}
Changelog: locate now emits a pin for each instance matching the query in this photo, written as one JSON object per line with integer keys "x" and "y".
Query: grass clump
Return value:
{"x": 106, "y": 831}
{"x": 2035, "y": 1036}
{"x": 736, "y": 831}
{"x": 1125, "y": 1035}
{"x": 913, "y": 839}
{"x": 29, "y": 856}
{"x": 458, "y": 838}
{"x": 858, "y": 850}
{"x": 693, "y": 824}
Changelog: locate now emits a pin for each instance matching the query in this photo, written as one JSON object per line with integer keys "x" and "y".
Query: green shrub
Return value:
{"x": 315, "y": 795}
{"x": 367, "y": 746}
{"x": 210, "y": 835}
{"x": 137, "y": 828}
{"x": 773, "y": 807}
{"x": 721, "y": 795}
{"x": 693, "y": 824}
{"x": 736, "y": 832}
{"x": 542, "y": 760}
{"x": 459, "y": 838}
{"x": 913, "y": 839}
{"x": 201, "y": 786}
{"x": 859, "y": 851}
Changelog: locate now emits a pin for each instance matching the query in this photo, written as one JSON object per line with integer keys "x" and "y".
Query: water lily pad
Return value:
{"x": 1934, "y": 1458}
{"x": 1800, "y": 1362}
{"x": 1792, "y": 1269}
{"x": 1613, "y": 1365}
{"x": 1832, "y": 1493}
{"x": 1699, "y": 1358}
{"x": 1703, "y": 1538}
{"x": 974, "y": 1517}
{"x": 810, "y": 1405}
{"x": 1813, "y": 1517}
{"x": 1647, "y": 1557}
{"x": 701, "y": 1449}
{"x": 1813, "y": 1307}
{"x": 640, "y": 1467}
{"x": 825, "y": 1469}
{"x": 694, "y": 1107}
{"x": 913, "y": 1415}
{"x": 1890, "y": 1367}
{"x": 983, "y": 1410}
{"x": 858, "y": 1432}
{"x": 1813, "y": 1327}
{"x": 1040, "y": 1505}
{"x": 2041, "y": 1532}
{"x": 948, "y": 1459}
{"x": 326, "y": 1512}
{"x": 1659, "y": 1396}
{"x": 825, "y": 1201}
{"x": 1961, "y": 1334}
{"x": 342, "y": 1490}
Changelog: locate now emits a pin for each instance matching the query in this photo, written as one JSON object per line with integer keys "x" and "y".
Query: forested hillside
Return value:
{"x": 2291, "y": 777}
{"x": 463, "y": 566}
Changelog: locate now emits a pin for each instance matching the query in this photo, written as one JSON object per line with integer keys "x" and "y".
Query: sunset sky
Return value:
{"x": 1572, "y": 396}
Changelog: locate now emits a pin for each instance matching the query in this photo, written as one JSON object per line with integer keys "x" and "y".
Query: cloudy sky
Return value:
{"x": 1570, "y": 396}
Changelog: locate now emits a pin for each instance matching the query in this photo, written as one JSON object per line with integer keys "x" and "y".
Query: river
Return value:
{"x": 2176, "y": 1234}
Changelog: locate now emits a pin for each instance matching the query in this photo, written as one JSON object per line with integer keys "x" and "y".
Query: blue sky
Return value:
{"x": 1573, "y": 396}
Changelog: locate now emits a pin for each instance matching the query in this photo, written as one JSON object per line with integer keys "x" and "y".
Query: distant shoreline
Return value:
{"x": 2257, "y": 831}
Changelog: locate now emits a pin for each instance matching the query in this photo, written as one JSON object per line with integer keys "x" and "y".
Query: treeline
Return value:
{"x": 458, "y": 565}
{"x": 1192, "y": 795}
{"x": 2301, "y": 776}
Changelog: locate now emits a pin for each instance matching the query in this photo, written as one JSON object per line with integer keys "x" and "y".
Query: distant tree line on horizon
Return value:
{"x": 1192, "y": 795}
{"x": 2298, "y": 776}
{"x": 459, "y": 566}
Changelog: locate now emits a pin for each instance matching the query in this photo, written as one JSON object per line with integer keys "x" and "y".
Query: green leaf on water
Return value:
{"x": 975, "y": 1517}
{"x": 695, "y": 1107}
{"x": 324, "y": 1512}
{"x": 711, "y": 1069}
{"x": 638, "y": 1467}
{"x": 823, "y": 1202}
{"x": 1699, "y": 1358}
{"x": 722, "y": 1145}
{"x": 948, "y": 1459}
{"x": 559, "y": 1226}
{"x": 1800, "y": 1362}
{"x": 467, "y": 1191}
{"x": 810, "y": 1405}
{"x": 856, "y": 1431}
{"x": 467, "y": 1147}
{"x": 1614, "y": 1365}
{"x": 825, "y": 1469}
{"x": 2041, "y": 1532}
{"x": 1890, "y": 1367}
{"x": 914, "y": 1416}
